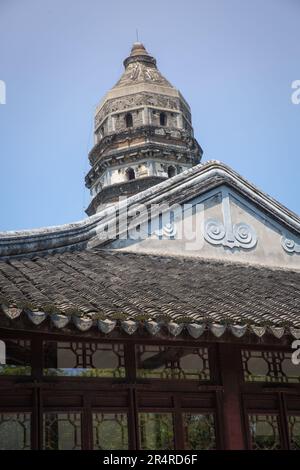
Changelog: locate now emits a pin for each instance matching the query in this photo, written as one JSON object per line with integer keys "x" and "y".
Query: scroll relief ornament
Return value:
{"x": 289, "y": 245}
{"x": 239, "y": 235}
{"x": 167, "y": 231}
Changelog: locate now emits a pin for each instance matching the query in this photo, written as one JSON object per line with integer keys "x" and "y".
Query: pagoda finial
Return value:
{"x": 139, "y": 54}
{"x": 138, "y": 49}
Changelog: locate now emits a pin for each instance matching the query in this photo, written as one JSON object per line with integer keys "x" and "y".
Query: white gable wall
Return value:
{"x": 229, "y": 228}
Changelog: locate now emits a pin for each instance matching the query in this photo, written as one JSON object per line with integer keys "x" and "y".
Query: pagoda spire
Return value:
{"x": 143, "y": 133}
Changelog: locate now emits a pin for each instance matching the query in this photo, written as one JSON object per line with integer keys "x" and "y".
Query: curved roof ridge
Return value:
{"x": 198, "y": 179}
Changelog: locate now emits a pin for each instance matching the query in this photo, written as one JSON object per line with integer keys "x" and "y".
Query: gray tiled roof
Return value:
{"x": 98, "y": 285}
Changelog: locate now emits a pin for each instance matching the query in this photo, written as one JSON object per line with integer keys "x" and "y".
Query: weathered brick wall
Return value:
{"x": 171, "y": 118}
{"x": 120, "y": 122}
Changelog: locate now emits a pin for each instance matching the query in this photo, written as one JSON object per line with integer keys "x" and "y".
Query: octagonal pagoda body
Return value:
{"x": 143, "y": 133}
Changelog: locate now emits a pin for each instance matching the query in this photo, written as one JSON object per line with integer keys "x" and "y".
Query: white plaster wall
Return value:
{"x": 268, "y": 250}
{"x": 142, "y": 169}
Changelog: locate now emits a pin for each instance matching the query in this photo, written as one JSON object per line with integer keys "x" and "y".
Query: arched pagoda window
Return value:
{"x": 130, "y": 174}
{"x": 171, "y": 171}
{"x": 163, "y": 119}
{"x": 128, "y": 120}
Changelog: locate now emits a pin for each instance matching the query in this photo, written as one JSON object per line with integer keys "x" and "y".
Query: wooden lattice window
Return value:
{"x": 62, "y": 431}
{"x": 15, "y": 431}
{"x": 156, "y": 431}
{"x": 294, "y": 432}
{"x": 110, "y": 431}
{"x": 264, "y": 432}
{"x": 169, "y": 362}
{"x": 18, "y": 357}
{"x": 84, "y": 359}
{"x": 199, "y": 431}
{"x": 269, "y": 366}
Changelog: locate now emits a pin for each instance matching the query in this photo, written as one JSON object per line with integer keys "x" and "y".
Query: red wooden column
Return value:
{"x": 230, "y": 362}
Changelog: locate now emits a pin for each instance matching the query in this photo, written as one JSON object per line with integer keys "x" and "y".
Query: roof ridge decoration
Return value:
{"x": 180, "y": 188}
{"x": 224, "y": 233}
{"x": 289, "y": 245}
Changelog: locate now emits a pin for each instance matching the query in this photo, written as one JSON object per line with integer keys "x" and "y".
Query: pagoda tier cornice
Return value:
{"x": 153, "y": 151}
{"x": 112, "y": 193}
{"x": 150, "y": 133}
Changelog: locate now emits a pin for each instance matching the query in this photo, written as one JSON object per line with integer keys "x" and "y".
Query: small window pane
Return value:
{"x": 156, "y": 431}
{"x": 130, "y": 174}
{"x": 168, "y": 362}
{"x": 18, "y": 357}
{"x": 84, "y": 359}
{"x": 110, "y": 431}
{"x": 269, "y": 366}
{"x": 162, "y": 119}
{"x": 264, "y": 432}
{"x": 62, "y": 431}
{"x": 294, "y": 432}
{"x": 128, "y": 120}
{"x": 199, "y": 431}
{"x": 171, "y": 171}
{"x": 15, "y": 433}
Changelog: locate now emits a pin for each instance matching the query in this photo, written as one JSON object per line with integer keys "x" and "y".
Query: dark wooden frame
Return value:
{"x": 227, "y": 395}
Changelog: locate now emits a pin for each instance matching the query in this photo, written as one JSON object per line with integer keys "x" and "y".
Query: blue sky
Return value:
{"x": 233, "y": 60}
